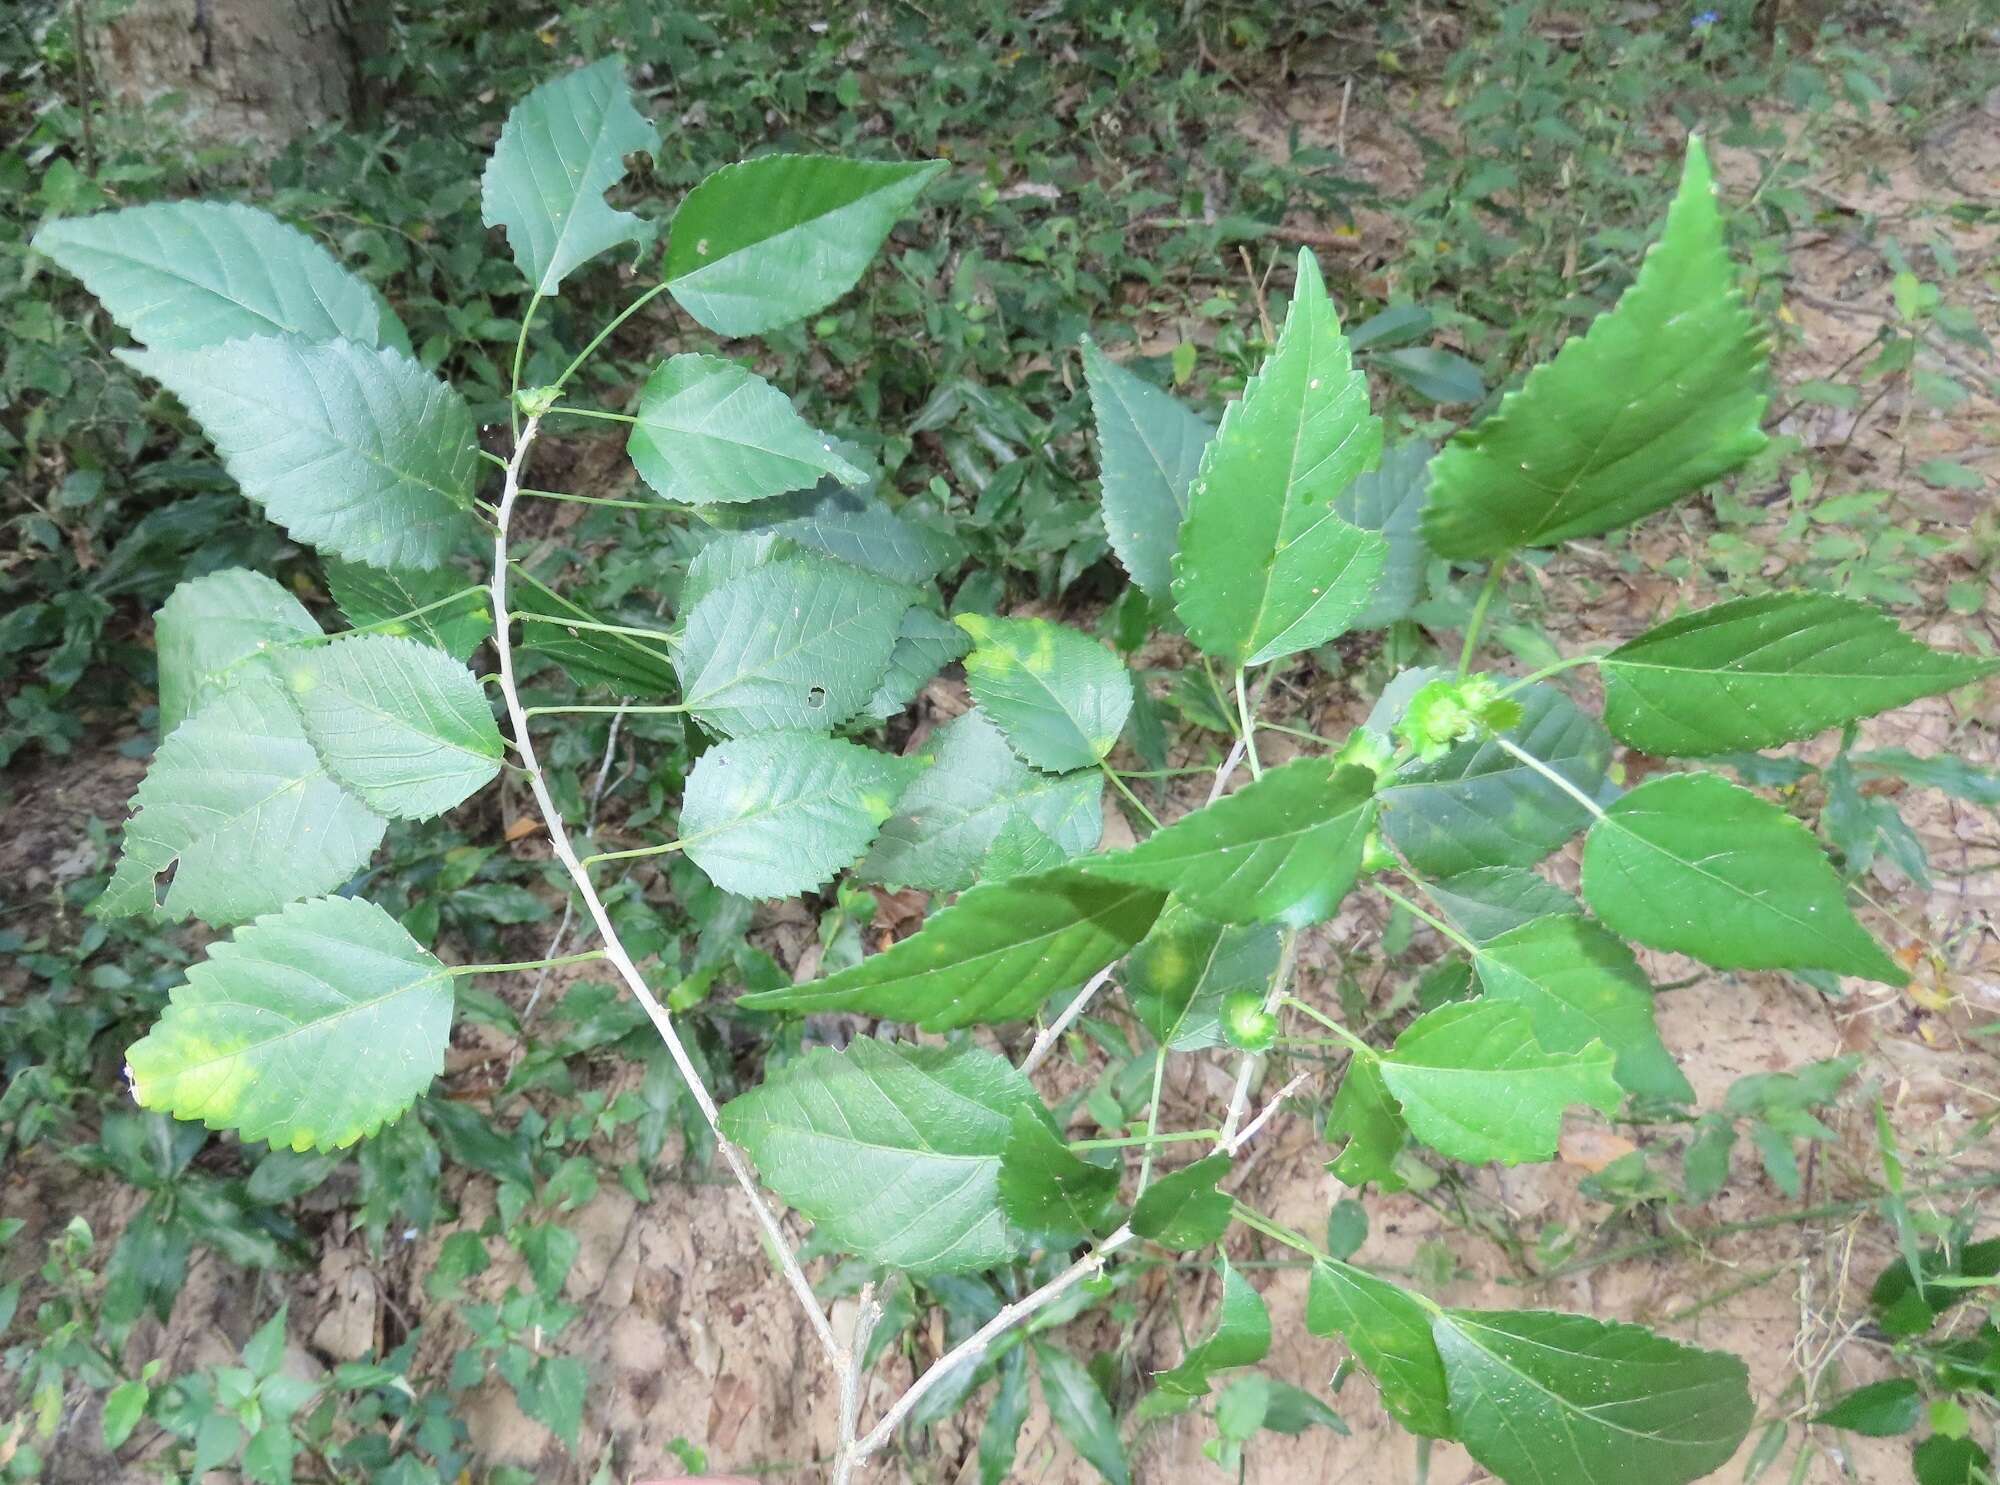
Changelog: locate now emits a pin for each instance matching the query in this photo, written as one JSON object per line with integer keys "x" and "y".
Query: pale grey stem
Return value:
{"x": 1239, "y": 1099}
{"x": 1046, "y": 1042}
{"x": 866, "y": 1318}
{"x": 1236, "y": 751}
{"x": 569, "y": 904}
{"x": 1523, "y": 755}
{"x": 614, "y": 950}
{"x": 1249, "y": 1131}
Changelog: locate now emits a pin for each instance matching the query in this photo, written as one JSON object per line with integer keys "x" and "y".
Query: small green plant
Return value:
{"x": 807, "y": 615}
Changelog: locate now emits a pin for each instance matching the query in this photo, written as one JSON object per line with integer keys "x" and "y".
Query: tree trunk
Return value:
{"x": 243, "y": 72}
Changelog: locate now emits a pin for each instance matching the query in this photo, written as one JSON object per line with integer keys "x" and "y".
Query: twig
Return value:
{"x": 1046, "y": 1042}
{"x": 1239, "y": 1100}
{"x": 1236, "y": 751}
{"x": 1249, "y": 1131}
{"x": 569, "y": 903}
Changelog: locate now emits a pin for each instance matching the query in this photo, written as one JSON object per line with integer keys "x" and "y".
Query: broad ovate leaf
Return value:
{"x": 1284, "y": 849}
{"x": 779, "y": 814}
{"x": 563, "y": 147}
{"x": 710, "y": 430}
{"x": 1390, "y": 500}
{"x": 1148, "y": 450}
{"x": 1182, "y": 1209}
{"x": 359, "y": 452}
{"x": 1475, "y": 1085}
{"x": 1660, "y": 396}
{"x": 925, "y": 645}
{"x": 762, "y": 243}
{"x": 1542, "y": 1398}
{"x": 182, "y": 275}
{"x": 950, "y": 818}
{"x": 797, "y": 645}
{"x": 403, "y": 725}
{"x": 438, "y": 607}
{"x": 244, "y": 813}
{"x": 1389, "y": 1331}
{"x": 994, "y": 955}
{"x": 208, "y": 634}
{"x": 310, "y": 1028}
{"x": 1692, "y": 863}
{"x": 1488, "y": 901}
{"x": 1265, "y": 567}
{"x": 1058, "y": 696}
{"x": 1757, "y": 672}
{"x": 892, "y": 1150}
{"x": 1045, "y": 1187}
{"x": 1579, "y": 984}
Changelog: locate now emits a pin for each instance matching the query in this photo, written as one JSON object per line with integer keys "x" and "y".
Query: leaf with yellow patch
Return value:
{"x": 1059, "y": 696}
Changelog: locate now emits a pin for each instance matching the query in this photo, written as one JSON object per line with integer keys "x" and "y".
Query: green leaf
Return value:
{"x": 373, "y": 597}
{"x": 1265, "y": 567}
{"x": 1001, "y": 1435}
{"x": 771, "y": 240}
{"x": 404, "y": 726}
{"x": 1657, "y": 398}
{"x": 1879, "y": 1410}
{"x": 1546, "y": 1399}
{"x": 1579, "y": 984}
{"x": 1389, "y": 1331}
{"x": 631, "y": 665}
{"x": 310, "y": 1028}
{"x": 554, "y": 1394}
{"x": 563, "y": 147}
{"x": 1757, "y": 672}
{"x": 1183, "y": 1210}
{"x": 1480, "y": 806}
{"x": 847, "y": 524}
{"x": 1242, "y": 1337}
{"x": 124, "y": 1406}
{"x": 1283, "y": 849}
{"x": 1475, "y": 1085}
{"x": 950, "y": 818}
{"x": 1149, "y": 449}
{"x": 1183, "y": 970}
{"x": 1442, "y": 376}
{"x": 1046, "y": 1189}
{"x": 209, "y": 628}
{"x": 925, "y": 645}
{"x": 1020, "y": 850}
{"x": 1488, "y": 901}
{"x": 1058, "y": 696}
{"x": 361, "y": 453}
{"x": 1940, "y": 1460}
{"x": 778, "y": 815}
{"x": 994, "y": 955}
{"x": 182, "y": 275}
{"x": 892, "y": 1150}
{"x": 1390, "y": 500}
{"x": 1079, "y": 1411}
{"x": 241, "y": 809}
{"x": 710, "y": 430}
{"x": 1693, "y": 864}
{"x": 1365, "y": 1112}
{"x": 797, "y": 645}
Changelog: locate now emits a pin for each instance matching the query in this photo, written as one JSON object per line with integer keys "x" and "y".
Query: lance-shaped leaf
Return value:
{"x": 404, "y": 726}
{"x": 1548, "y": 1399}
{"x": 185, "y": 274}
{"x": 1045, "y": 1187}
{"x": 777, "y": 815}
{"x": 563, "y": 147}
{"x": 456, "y": 617}
{"x": 1059, "y": 697}
{"x": 892, "y": 1150}
{"x": 768, "y": 241}
{"x": 209, "y": 630}
{"x": 1488, "y": 901}
{"x": 1148, "y": 450}
{"x": 310, "y": 1028}
{"x": 1284, "y": 849}
{"x": 1481, "y": 806}
{"x": 950, "y": 818}
{"x": 1390, "y": 500}
{"x": 1758, "y": 672}
{"x": 994, "y": 955}
{"x": 1691, "y": 863}
{"x": 798, "y": 645}
{"x": 1475, "y": 1085}
{"x": 1242, "y": 1337}
{"x": 1367, "y": 1115}
{"x": 1389, "y": 1331}
{"x": 361, "y": 453}
{"x": 925, "y": 645}
{"x": 1078, "y": 1409}
{"x": 1579, "y": 984}
{"x": 1180, "y": 974}
{"x": 243, "y": 811}
{"x": 1265, "y": 567}
{"x": 848, "y": 524}
{"x": 710, "y": 430}
{"x": 1657, "y": 398}
{"x": 1183, "y": 1210}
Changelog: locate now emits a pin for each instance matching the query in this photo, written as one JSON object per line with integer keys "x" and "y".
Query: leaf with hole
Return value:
{"x": 246, "y": 1041}
{"x": 892, "y": 1150}
{"x": 1058, "y": 696}
{"x": 710, "y": 430}
{"x": 1148, "y": 449}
